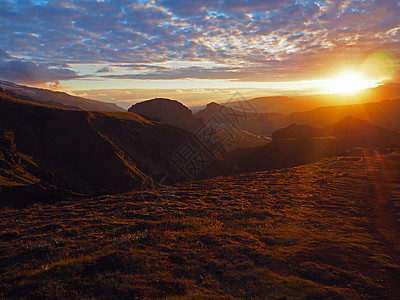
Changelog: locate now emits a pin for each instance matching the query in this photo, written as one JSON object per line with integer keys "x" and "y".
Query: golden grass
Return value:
{"x": 303, "y": 233}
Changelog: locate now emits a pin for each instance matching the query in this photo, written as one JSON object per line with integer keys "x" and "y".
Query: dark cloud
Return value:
{"x": 104, "y": 70}
{"x": 3, "y": 54}
{"x": 28, "y": 72}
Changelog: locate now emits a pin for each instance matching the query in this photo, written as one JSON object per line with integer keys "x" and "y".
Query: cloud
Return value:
{"x": 27, "y": 72}
{"x": 105, "y": 70}
{"x": 3, "y": 54}
{"x": 282, "y": 38}
{"x": 189, "y": 8}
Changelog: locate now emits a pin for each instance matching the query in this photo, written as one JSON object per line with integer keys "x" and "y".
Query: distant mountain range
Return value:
{"x": 301, "y": 144}
{"x": 288, "y": 105}
{"x": 57, "y": 99}
{"x": 52, "y": 150}
{"x": 385, "y": 113}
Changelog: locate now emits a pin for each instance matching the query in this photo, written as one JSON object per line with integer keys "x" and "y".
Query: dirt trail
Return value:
{"x": 384, "y": 217}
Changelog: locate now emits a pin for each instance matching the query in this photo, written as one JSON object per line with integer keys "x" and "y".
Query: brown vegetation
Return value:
{"x": 328, "y": 230}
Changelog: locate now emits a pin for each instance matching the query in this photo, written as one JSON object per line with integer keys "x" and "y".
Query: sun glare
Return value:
{"x": 349, "y": 83}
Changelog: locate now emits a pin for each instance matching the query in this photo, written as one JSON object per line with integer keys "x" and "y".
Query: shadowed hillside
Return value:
{"x": 90, "y": 151}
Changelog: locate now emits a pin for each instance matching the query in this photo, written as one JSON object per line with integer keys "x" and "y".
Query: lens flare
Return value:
{"x": 348, "y": 83}
{"x": 380, "y": 66}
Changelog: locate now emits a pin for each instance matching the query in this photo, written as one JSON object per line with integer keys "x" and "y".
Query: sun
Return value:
{"x": 348, "y": 83}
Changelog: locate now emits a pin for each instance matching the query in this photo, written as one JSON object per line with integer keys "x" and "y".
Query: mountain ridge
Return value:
{"x": 56, "y": 98}
{"x": 86, "y": 151}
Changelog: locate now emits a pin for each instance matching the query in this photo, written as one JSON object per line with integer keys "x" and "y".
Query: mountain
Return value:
{"x": 295, "y": 131}
{"x": 57, "y": 99}
{"x": 282, "y": 104}
{"x": 243, "y": 118}
{"x": 210, "y": 130}
{"x": 288, "y": 105}
{"x": 86, "y": 152}
{"x": 167, "y": 111}
{"x": 384, "y": 114}
{"x": 301, "y": 144}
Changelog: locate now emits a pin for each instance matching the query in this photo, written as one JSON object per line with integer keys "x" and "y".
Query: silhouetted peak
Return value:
{"x": 295, "y": 131}
{"x": 350, "y": 124}
{"x": 165, "y": 110}
{"x": 159, "y": 102}
{"x": 213, "y": 104}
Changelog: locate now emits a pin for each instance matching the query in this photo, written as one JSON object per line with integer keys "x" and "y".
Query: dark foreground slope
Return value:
{"x": 328, "y": 230}
{"x": 86, "y": 151}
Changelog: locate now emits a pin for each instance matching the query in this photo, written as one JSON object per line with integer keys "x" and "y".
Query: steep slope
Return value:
{"x": 22, "y": 181}
{"x": 328, "y": 230}
{"x": 167, "y": 111}
{"x": 12, "y": 171}
{"x": 57, "y": 99}
{"x": 91, "y": 151}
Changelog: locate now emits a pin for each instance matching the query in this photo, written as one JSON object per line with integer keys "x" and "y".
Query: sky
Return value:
{"x": 196, "y": 51}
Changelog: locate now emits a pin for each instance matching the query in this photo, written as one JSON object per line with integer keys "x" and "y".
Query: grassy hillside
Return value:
{"x": 328, "y": 230}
